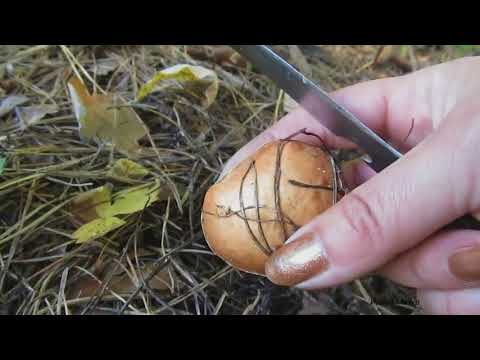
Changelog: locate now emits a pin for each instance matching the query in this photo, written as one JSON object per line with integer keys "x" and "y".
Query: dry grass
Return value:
{"x": 48, "y": 164}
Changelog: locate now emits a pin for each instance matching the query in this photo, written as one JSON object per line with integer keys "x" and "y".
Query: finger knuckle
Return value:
{"x": 465, "y": 192}
{"x": 363, "y": 220}
{"x": 419, "y": 271}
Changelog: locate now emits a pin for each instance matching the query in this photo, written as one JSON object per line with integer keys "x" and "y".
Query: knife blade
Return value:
{"x": 320, "y": 105}
{"x": 329, "y": 113}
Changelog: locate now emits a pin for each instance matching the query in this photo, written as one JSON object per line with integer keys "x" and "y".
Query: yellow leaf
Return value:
{"x": 132, "y": 200}
{"x": 89, "y": 205}
{"x": 98, "y": 203}
{"x": 96, "y": 229}
{"x": 125, "y": 168}
{"x": 106, "y": 118}
{"x": 196, "y": 77}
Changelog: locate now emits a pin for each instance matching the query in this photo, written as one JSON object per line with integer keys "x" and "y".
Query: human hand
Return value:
{"x": 389, "y": 222}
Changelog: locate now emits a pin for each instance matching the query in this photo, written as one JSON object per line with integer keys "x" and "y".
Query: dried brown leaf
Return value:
{"x": 123, "y": 283}
{"x": 106, "y": 118}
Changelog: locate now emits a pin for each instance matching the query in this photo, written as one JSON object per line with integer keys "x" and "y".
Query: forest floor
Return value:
{"x": 152, "y": 260}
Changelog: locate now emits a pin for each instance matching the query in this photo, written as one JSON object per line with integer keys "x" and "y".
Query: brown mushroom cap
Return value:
{"x": 283, "y": 186}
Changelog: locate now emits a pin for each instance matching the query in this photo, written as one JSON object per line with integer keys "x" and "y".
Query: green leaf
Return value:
{"x": 464, "y": 50}
{"x": 96, "y": 229}
{"x": 2, "y": 164}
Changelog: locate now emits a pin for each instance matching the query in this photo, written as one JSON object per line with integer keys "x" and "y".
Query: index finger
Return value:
{"x": 368, "y": 101}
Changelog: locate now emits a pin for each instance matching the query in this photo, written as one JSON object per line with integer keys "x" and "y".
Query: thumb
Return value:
{"x": 432, "y": 185}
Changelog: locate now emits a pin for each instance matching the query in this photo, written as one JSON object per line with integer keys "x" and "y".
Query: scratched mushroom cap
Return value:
{"x": 255, "y": 208}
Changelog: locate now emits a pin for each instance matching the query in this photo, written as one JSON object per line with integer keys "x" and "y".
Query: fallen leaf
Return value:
{"x": 96, "y": 229}
{"x": 222, "y": 55}
{"x": 99, "y": 202}
{"x": 122, "y": 283}
{"x": 105, "y": 117}
{"x": 161, "y": 280}
{"x": 10, "y": 103}
{"x": 97, "y": 211}
{"x": 32, "y": 114}
{"x": 2, "y": 164}
{"x": 85, "y": 287}
{"x": 196, "y": 78}
{"x": 132, "y": 200}
{"x": 89, "y": 205}
{"x": 225, "y": 55}
{"x": 125, "y": 168}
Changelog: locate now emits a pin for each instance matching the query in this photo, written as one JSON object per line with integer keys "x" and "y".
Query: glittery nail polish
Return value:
{"x": 296, "y": 262}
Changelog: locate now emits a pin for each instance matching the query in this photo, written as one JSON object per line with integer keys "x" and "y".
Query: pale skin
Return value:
{"x": 390, "y": 223}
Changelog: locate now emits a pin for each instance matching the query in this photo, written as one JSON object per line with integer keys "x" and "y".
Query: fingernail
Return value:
{"x": 465, "y": 264}
{"x": 296, "y": 262}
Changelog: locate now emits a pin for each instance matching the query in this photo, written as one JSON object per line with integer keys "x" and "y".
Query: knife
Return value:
{"x": 328, "y": 112}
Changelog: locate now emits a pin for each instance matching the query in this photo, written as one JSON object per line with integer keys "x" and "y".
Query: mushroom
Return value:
{"x": 260, "y": 203}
